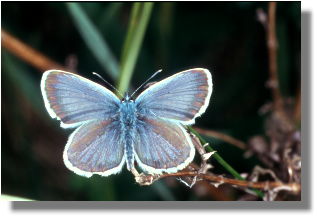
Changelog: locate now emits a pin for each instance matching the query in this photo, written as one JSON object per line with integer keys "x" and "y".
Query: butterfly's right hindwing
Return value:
{"x": 162, "y": 146}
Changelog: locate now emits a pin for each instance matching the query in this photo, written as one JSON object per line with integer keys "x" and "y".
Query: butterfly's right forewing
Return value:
{"x": 180, "y": 98}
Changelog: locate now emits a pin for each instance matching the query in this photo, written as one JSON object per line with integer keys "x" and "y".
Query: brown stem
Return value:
{"x": 144, "y": 179}
{"x": 295, "y": 187}
{"x": 222, "y": 136}
{"x": 28, "y": 54}
{"x": 272, "y": 52}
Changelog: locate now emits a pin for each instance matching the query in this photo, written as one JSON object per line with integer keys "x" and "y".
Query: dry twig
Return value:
{"x": 28, "y": 54}
{"x": 222, "y": 136}
{"x": 281, "y": 150}
{"x": 272, "y": 49}
{"x": 149, "y": 179}
{"x": 200, "y": 173}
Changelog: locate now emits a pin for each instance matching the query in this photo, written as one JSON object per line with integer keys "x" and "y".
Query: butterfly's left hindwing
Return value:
{"x": 95, "y": 148}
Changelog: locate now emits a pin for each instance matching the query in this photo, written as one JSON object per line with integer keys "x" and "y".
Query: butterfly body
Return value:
{"x": 148, "y": 131}
{"x": 128, "y": 118}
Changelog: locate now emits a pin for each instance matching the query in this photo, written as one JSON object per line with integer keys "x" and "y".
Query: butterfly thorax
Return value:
{"x": 127, "y": 113}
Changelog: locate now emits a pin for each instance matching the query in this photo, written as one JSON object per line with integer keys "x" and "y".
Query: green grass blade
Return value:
{"x": 221, "y": 161}
{"x": 109, "y": 14}
{"x": 140, "y": 16}
{"x": 94, "y": 40}
{"x": 135, "y": 13}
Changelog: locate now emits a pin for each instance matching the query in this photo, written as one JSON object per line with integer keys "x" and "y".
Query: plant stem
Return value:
{"x": 221, "y": 161}
{"x": 139, "y": 19}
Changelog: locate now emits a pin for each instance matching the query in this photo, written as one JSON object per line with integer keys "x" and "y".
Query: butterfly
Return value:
{"x": 111, "y": 132}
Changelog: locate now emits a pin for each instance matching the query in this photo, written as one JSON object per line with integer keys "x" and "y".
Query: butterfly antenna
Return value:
{"x": 146, "y": 81}
{"x": 99, "y": 76}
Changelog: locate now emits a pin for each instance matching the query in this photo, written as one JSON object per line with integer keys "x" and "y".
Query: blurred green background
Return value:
{"x": 225, "y": 38}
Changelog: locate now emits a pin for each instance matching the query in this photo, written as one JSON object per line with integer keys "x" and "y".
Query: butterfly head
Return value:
{"x": 126, "y": 98}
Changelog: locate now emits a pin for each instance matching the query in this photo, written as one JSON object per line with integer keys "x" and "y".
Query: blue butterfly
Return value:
{"x": 111, "y": 132}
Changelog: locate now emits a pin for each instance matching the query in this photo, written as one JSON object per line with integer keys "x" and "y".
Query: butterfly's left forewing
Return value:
{"x": 75, "y": 100}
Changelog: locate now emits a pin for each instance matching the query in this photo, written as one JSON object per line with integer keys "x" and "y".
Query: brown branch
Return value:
{"x": 28, "y": 54}
{"x": 222, "y": 136}
{"x": 272, "y": 52}
{"x": 269, "y": 23}
{"x": 294, "y": 187}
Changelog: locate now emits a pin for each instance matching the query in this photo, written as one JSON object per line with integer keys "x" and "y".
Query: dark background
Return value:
{"x": 226, "y": 38}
